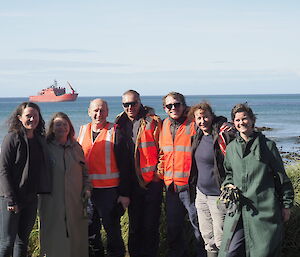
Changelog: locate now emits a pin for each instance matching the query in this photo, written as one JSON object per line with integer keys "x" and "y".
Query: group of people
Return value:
{"x": 229, "y": 180}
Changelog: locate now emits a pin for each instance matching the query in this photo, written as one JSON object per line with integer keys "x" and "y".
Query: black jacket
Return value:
{"x": 218, "y": 170}
{"x": 126, "y": 155}
{"x": 14, "y": 165}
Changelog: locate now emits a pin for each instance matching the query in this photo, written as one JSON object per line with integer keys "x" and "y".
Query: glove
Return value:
{"x": 85, "y": 196}
{"x": 229, "y": 199}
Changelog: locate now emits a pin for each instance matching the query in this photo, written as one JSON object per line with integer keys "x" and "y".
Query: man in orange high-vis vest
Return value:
{"x": 174, "y": 167}
{"x": 100, "y": 146}
{"x": 141, "y": 128}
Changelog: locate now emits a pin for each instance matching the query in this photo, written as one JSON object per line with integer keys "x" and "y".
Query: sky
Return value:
{"x": 195, "y": 47}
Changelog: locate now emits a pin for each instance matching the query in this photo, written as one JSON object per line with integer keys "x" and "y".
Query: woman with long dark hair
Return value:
{"x": 23, "y": 174}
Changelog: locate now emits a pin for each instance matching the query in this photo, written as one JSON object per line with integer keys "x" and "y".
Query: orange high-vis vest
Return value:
{"x": 148, "y": 149}
{"x": 177, "y": 154}
{"x": 100, "y": 156}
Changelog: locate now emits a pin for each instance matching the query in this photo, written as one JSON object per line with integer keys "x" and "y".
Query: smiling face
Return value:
{"x": 204, "y": 120}
{"x": 173, "y": 107}
{"x": 61, "y": 129}
{"x": 29, "y": 118}
{"x": 98, "y": 112}
{"x": 131, "y": 105}
{"x": 244, "y": 124}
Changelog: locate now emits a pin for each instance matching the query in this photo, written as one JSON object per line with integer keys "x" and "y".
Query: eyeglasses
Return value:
{"x": 170, "y": 106}
{"x": 132, "y": 104}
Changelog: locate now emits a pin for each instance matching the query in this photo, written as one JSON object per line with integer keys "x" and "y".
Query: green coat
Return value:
{"x": 251, "y": 167}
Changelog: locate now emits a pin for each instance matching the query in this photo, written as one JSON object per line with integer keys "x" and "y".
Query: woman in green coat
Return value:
{"x": 255, "y": 170}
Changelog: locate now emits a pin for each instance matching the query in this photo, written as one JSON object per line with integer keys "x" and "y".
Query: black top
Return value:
{"x": 16, "y": 161}
{"x": 95, "y": 134}
{"x": 35, "y": 164}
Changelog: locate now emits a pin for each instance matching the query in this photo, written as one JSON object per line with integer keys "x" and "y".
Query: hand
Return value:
{"x": 86, "y": 195}
{"x": 156, "y": 178}
{"x": 124, "y": 200}
{"x": 226, "y": 126}
{"x": 13, "y": 208}
{"x": 286, "y": 213}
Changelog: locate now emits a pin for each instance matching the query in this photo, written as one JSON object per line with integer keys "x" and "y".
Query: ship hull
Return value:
{"x": 53, "y": 98}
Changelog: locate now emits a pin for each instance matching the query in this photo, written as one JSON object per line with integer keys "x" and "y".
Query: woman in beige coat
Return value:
{"x": 64, "y": 226}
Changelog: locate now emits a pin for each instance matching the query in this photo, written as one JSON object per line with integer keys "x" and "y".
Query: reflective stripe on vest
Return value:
{"x": 82, "y": 132}
{"x": 177, "y": 154}
{"x": 177, "y": 148}
{"x": 148, "y": 151}
{"x": 100, "y": 156}
{"x": 176, "y": 174}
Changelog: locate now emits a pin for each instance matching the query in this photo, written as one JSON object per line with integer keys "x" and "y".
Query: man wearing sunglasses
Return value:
{"x": 141, "y": 128}
{"x": 175, "y": 164}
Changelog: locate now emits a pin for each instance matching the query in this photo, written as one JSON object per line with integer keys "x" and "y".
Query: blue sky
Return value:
{"x": 194, "y": 47}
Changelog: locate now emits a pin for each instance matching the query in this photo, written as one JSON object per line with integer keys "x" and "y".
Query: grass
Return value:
{"x": 291, "y": 243}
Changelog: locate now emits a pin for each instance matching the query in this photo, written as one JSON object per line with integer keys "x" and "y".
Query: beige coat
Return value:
{"x": 63, "y": 227}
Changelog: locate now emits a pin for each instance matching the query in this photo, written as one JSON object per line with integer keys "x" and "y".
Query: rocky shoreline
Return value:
{"x": 288, "y": 157}
{"x": 260, "y": 129}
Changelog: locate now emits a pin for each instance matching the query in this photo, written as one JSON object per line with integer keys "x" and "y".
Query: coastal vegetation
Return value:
{"x": 291, "y": 244}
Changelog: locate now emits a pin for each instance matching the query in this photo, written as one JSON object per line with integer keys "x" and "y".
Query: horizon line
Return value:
{"x": 172, "y": 91}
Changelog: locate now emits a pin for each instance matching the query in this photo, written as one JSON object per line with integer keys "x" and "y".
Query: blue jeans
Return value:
{"x": 105, "y": 201}
{"x": 178, "y": 204}
{"x": 15, "y": 228}
{"x": 144, "y": 213}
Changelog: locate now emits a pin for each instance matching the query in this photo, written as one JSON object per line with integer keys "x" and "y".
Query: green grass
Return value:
{"x": 291, "y": 243}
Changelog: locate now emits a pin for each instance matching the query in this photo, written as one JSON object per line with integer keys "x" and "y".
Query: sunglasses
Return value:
{"x": 132, "y": 104}
{"x": 170, "y": 106}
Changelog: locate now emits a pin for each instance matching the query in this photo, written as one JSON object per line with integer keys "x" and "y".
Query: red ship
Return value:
{"x": 54, "y": 93}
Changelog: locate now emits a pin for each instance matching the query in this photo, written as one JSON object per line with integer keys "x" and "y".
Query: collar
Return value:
{"x": 251, "y": 137}
{"x": 178, "y": 122}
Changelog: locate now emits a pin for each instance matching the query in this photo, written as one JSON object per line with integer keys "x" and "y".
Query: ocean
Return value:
{"x": 279, "y": 112}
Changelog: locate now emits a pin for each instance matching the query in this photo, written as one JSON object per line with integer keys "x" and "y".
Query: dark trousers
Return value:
{"x": 105, "y": 201}
{"x": 96, "y": 248}
{"x": 144, "y": 213}
{"x": 15, "y": 228}
{"x": 237, "y": 243}
{"x": 178, "y": 204}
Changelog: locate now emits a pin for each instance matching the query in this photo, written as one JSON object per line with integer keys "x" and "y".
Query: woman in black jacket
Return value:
{"x": 23, "y": 173}
{"x": 207, "y": 173}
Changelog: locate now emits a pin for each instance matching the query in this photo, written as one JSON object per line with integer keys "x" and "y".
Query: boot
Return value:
{"x": 212, "y": 254}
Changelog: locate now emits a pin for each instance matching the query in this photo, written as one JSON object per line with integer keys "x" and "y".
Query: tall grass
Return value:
{"x": 291, "y": 243}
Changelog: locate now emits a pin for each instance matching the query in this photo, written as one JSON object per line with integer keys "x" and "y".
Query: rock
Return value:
{"x": 290, "y": 156}
{"x": 260, "y": 129}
